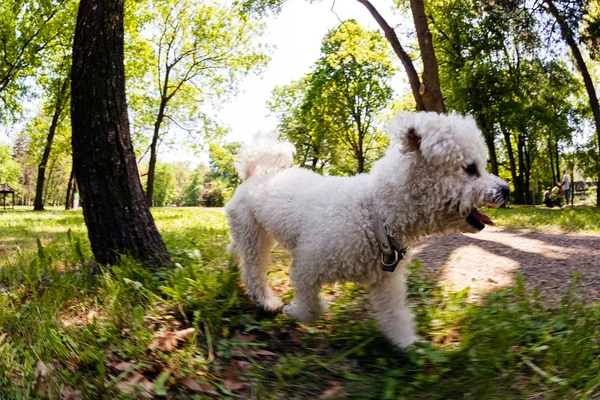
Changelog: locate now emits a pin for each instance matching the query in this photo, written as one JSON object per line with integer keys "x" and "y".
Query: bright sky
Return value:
{"x": 296, "y": 34}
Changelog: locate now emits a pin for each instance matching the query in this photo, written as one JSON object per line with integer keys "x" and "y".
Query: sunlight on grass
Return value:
{"x": 69, "y": 326}
{"x": 567, "y": 219}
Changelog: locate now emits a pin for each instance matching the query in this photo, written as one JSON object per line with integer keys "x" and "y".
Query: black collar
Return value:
{"x": 389, "y": 255}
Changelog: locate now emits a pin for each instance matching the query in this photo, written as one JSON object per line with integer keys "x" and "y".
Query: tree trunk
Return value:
{"x": 519, "y": 187}
{"x": 551, "y": 157}
{"x": 430, "y": 89}
{"x": 154, "y": 145}
{"x": 567, "y": 34}
{"x": 488, "y": 135}
{"x": 511, "y": 160}
{"x": 361, "y": 163}
{"x": 70, "y": 190}
{"x": 38, "y": 204}
{"x": 411, "y": 72}
{"x": 527, "y": 172}
{"x": 114, "y": 206}
{"x": 489, "y": 141}
{"x": 557, "y": 154}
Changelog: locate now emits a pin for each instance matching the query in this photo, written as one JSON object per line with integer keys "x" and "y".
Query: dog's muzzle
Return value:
{"x": 498, "y": 196}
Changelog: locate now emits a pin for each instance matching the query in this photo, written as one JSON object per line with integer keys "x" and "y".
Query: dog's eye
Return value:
{"x": 472, "y": 170}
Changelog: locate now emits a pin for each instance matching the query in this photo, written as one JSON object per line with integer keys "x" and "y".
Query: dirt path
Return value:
{"x": 493, "y": 257}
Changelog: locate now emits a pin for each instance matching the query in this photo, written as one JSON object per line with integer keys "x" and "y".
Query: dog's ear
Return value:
{"x": 404, "y": 134}
{"x": 410, "y": 141}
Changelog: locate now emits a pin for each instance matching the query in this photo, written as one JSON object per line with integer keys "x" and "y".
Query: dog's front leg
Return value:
{"x": 308, "y": 304}
{"x": 388, "y": 298}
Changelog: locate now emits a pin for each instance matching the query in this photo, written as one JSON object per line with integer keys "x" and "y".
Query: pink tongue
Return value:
{"x": 483, "y": 218}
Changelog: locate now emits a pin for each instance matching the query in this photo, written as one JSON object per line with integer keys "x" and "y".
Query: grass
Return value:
{"x": 190, "y": 332}
{"x": 566, "y": 219}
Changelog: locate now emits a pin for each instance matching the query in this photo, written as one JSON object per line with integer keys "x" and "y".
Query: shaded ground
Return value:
{"x": 493, "y": 257}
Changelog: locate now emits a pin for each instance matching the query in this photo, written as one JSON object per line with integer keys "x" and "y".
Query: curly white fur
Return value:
{"x": 264, "y": 155}
{"x": 419, "y": 188}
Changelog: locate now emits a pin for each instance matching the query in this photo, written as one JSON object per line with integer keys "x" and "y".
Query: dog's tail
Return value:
{"x": 265, "y": 154}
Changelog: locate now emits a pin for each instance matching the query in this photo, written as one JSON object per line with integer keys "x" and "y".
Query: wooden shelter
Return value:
{"x": 4, "y": 190}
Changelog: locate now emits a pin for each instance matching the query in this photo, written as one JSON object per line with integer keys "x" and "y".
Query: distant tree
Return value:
{"x": 183, "y": 177}
{"x": 426, "y": 90}
{"x": 221, "y": 160}
{"x": 568, "y": 20}
{"x": 114, "y": 206}
{"x": 58, "y": 97}
{"x": 165, "y": 193}
{"x": 305, "y": 126}
{"x": 28, "y": 29}
{"x": 10, "y": 170}
{"x": 193, "y": 192}
{"x": 336, "y": 114}
{"x": 200, "y": 51}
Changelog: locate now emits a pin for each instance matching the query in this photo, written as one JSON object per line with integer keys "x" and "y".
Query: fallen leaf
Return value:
{"x": 41, "y": 370}
{"x": 246, "y": 337}
{"x": 2, "y": 337}
{"x": 92, "y": 315}
{"x": 136, "y": 380}
{"x": 231, "y": 381}
{"x": 243, "y": 364}
{"x": 262, "y": 352}
{"x": 70, "y": 393}
{"x": 167, "y": 341}
{"x": 122, "y": 366}
{"x": 198, "y": 387}
{"x": 336, "y": 390}
{"x": 491, "y": 280}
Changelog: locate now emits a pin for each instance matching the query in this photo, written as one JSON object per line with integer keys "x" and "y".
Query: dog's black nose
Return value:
{"x": 505, "y": 191}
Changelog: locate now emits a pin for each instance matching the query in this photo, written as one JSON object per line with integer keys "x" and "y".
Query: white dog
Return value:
{"x": 339, "y": 229}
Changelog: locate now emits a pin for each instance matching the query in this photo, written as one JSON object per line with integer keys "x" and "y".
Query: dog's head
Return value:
{"x": 448, "y": 180}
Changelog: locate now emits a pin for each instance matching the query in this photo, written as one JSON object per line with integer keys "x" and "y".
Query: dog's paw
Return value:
{"x": 272, "y": 303}
{"x": 408, "y": 340}
{"x": 294, "y": 311}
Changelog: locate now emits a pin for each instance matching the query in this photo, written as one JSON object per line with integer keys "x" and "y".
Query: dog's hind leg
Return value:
{"x": 388, "y": 298}
{"x": 234, "y": 253}
{"x": 307, "y": 305}
{"x": 254, "y": 246}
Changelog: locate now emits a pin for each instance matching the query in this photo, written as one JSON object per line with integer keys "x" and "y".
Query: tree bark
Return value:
{"x": 567, "y": 34}
{"x": 519, "y": 184}
{"x": 430, "y": 89}
{"x": 511, "y": 156}
{"x": 551, "y": 157}
{"x": 411, "y": 72}
{"x": 61, "y": 99}
{"x": 114, "y": 206}
{"x": 70, "y": 190}
{"x": 154, "y": 144}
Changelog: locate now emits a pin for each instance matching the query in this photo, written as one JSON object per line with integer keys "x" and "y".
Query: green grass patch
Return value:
{"x": 566, "y": 219}
{"x": 68, "y": 327}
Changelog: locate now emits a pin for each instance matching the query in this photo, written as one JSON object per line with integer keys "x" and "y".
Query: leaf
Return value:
{"x": 336, "y": 390}
{"x": 159, "y": 385}
{"x": 245, "y": 337}
{"x": 122, "y": 366}
{"x": 70, "y": 393}
{"x": 198, "y": 387}
{"x": 168, "y": 341}
{"x": 261, "y": 352}
{"x": 231, "y": 381}
{"x": 136, "y": 380}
